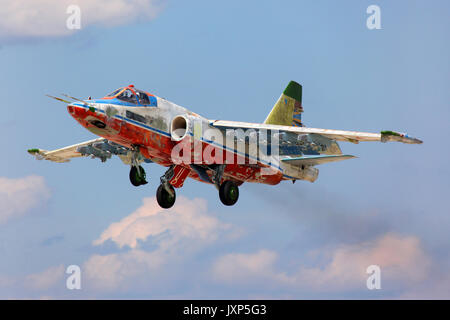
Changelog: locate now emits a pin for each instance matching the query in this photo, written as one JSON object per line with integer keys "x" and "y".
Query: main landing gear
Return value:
{"x": 165, "y": 195}
{"x": 228, "y": 190}
{"x": 166, "y": 198}
{"x": 229, "y": 193}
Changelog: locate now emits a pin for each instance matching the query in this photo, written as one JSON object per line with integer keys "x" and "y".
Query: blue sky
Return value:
{"x": 229, "y": 60}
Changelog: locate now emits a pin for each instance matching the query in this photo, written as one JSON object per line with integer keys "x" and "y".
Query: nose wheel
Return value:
{"x": 229, "y": 193}
{"x": 137, "y": 176}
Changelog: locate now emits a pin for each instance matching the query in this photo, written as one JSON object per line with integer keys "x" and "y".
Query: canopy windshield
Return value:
{"x": 127, "y": 95}
{"x": 132, "y": 95}
{"x": 114, "y": 93}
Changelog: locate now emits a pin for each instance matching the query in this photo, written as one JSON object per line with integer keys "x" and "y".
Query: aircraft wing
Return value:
{"x": 96, "y": 148}
{"x": 63, "y": 154}
{"x": 339, "y": 135}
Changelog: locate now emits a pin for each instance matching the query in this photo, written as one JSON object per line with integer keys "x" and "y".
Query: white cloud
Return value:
{"x": 46, "y": 279}
{"x": 47, "y": 18}
{"x": 32, "y": 286}
{"x": 175, "y": 233}
{"x": 109, "y": 272}
{"x": 401, "y": 259}
{"x": 18, "y": 196}
{"x": 437, "y": 287}
{"x": 175, "y": 237}
{"x": 187, "y": 220}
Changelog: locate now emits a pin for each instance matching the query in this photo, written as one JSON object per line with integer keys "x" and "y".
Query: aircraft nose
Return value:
{"x": 71, "y": 108}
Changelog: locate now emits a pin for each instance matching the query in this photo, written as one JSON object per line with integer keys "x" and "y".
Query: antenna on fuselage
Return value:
{"x": 76, "y": 99}
{"x": 58, "y": 99}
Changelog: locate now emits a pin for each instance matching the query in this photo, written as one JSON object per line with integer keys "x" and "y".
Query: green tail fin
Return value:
{"x": 287, "y": 111}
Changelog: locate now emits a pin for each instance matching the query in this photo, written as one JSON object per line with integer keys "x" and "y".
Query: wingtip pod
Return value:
{"x": 37, "y": 153}
{"x": 41, "y": 154}
{"x": 33, "y": 151}
{"x": 388, "y": 135}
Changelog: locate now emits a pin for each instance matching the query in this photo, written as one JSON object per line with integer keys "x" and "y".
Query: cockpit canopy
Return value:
{"x": 131, "y": 95}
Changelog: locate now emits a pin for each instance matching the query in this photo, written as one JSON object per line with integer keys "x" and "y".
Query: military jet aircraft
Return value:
{"x": 140, "y": 127}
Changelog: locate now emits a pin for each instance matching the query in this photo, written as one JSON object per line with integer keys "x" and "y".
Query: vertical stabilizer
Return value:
{"x": 288, "y": 110}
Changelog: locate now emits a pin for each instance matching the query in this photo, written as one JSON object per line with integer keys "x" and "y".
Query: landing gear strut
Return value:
{"x": 165, "y": 195}
{"x": 137, "y": 176}
{"x": 137, "y": 173}
{"x": 228, "y": 190}
{"x": 229, "y": 193}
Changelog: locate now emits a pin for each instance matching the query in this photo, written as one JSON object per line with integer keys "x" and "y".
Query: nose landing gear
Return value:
{"x": 137, "y": 176}
{"x": 137, "y": 173}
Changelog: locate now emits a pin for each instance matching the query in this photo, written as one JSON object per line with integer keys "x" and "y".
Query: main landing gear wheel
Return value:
{"x": 165, "y": 199}
{"x": 229, "y": 193}
{"x": 137, "y": 176}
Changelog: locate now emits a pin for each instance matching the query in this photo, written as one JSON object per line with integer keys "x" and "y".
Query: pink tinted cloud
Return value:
{"x": 401, "y": 259}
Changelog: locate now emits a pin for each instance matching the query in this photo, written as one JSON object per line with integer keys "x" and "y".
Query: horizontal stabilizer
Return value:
{"x": 312, "y": 160}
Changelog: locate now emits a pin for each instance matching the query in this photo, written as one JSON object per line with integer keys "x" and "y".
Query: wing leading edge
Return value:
{"x": 339, "y": 135}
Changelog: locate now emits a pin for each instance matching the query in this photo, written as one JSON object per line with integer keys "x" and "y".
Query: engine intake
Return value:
{"x": 179, "y": 128}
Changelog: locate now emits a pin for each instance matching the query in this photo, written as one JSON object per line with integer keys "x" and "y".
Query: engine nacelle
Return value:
{"x": 309, "y": 173}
